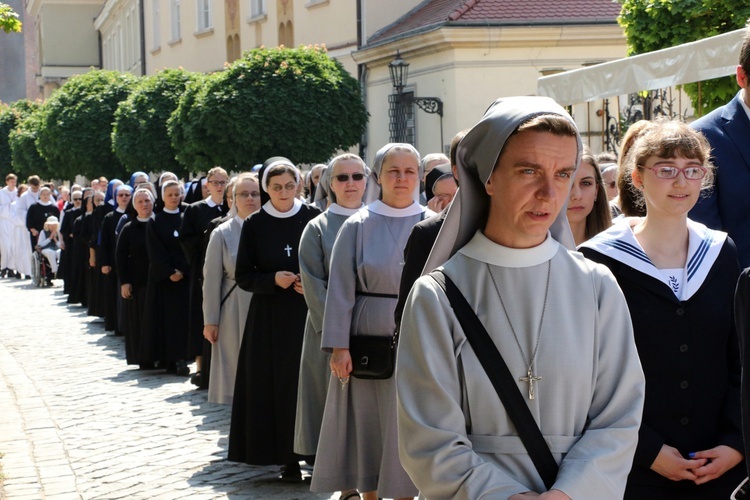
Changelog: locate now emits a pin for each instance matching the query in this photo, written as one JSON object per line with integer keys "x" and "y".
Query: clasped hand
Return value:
{"x": 702, "y": 467}
{"x": 285, "y": 279}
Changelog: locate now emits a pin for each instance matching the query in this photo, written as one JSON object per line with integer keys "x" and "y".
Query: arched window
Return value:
{"x": 289, "y": 34}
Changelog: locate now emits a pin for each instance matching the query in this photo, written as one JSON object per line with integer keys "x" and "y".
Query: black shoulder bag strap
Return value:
{"x": 501, "y": 378}
{"x": 227, "y": 295}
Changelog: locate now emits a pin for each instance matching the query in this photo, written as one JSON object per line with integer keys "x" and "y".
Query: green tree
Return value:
{"x": 10, "y": 115}
{"x": 139, "y": 137}
{"x": 299, "y": 103}
{"x": 189, "y": 138}
{"x": 9, "y": 21}
{"x": 657, "y": 24}
{"x": 76, "y": 132}
{"x": 22, "y": 139}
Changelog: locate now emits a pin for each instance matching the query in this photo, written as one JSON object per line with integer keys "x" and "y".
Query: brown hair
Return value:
{"x": 281, "y": 170}
{"x": 11, "y": 176}
{"x": 600, "y": 217}
{"x": 34, "y": 180}
{"x": 626, "y": 195}
{"x": 745, "y": 50}
{"x": 214, "y": 171}
{"x": 554, "y": 124}
{"x": 668, "y": 139}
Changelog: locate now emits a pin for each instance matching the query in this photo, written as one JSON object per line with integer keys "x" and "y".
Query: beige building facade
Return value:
{"x": 119, "y": 25}
{"x": 66, "y": 39}
{"x": 464, "y": 53}
{"x": 206, "y": 37}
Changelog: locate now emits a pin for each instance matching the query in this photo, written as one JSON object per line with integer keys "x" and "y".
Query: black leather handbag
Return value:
{"x": 373, "y": 357}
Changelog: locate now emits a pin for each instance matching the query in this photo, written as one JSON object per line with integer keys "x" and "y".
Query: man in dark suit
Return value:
{"x": 728, "y": 131}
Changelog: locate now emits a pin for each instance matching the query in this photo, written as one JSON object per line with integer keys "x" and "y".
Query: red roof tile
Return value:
{"x": 433, "y": 13}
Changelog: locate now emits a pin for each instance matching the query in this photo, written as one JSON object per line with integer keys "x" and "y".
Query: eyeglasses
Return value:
{"x": 610, "y": 185}
{"x": 669, "y": 172}
{"x": 248, "y": 194}
{"x": 122, "y": 195}
{"x": 76, "y": 199}
{"x": 218, "y": 183}
{"x": 345, "y": 177}
{"x": 289, "y": 187}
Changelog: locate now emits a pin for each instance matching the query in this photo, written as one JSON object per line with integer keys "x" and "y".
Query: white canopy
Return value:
{"x": 690, "y": 62}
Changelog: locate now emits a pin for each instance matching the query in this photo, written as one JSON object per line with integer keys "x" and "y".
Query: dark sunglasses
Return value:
{"x": 345, "y": 177}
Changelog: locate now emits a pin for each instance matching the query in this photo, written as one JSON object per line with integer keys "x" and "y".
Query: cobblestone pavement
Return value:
{"x": 76, "y": 422}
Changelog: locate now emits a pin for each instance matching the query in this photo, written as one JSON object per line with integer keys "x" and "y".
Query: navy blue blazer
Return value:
{"x": 728, "y": 206}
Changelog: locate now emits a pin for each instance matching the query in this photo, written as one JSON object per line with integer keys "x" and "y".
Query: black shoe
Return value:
{"x": 182, "y": 368}
{"x": 196, "y": 379}
{"x": 4, "y": 273}
{"x": 291, "y": 473}
{"x": 146, "y": 366}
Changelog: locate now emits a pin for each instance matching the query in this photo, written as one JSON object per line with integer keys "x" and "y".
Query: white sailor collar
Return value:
{"x": 170, "y": 210}
{"x": 269, "y": 208}
{"x": 483, "y": 249}
{"x": 211, "y": 203}
{"x": 240, "y": 220}
{"x": 380, "y": 208}
{"x": 120, "y": 210}
{"x": 619, "y": 243}
{"x": 337, "y": 209}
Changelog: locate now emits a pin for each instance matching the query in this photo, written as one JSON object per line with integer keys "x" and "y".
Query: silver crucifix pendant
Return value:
{"x": 530, "y": 378}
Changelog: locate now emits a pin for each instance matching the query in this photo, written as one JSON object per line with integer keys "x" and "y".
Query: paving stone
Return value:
{"x": 76, "y": 422}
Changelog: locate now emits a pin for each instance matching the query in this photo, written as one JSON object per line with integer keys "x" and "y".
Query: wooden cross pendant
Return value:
{"x": 530, "y": 378}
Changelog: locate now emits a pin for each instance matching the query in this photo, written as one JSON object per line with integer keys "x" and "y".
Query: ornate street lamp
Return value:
{"x": 399, "y": 70}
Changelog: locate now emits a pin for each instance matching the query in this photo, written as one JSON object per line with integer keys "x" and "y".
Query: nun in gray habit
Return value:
{"x": 315, "y": 248}
{"x": 358, "y": 438}
{"x": 553, "y": 315}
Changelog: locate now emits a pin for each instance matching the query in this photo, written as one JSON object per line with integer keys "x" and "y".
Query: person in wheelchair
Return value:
{"x": 50, "y": 245}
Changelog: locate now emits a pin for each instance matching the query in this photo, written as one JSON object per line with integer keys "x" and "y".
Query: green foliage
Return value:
{"x": 298, "y": 103}
{"x": 26, "y": 158}
{"x": 76, "y": 133}
{"x": 657, "y": 24}
{"x": 139, "y": 136}
{"x": 9, "y": 21}
{"x": 10, "y": 115}
{"x": 189, "y": 138}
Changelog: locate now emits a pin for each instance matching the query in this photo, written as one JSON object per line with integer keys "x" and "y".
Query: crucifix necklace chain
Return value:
{"x": 395, "y": 242}
{"x": 530, "y": 378}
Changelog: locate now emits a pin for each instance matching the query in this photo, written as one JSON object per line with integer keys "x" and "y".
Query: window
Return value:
{"x": 175, "y": 8}
{"x": 257, "y": 8}
{"x": 156, "y": 26}
{"x": 204, "y": 15}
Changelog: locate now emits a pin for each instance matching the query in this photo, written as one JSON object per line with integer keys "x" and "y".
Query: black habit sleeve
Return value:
{"x": 161, "y": 267}
{"x": 247, "y": 275}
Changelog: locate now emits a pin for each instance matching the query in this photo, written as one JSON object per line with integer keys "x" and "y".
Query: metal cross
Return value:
{"x": 289, "y": 249}
{"x": 530, "y": 379}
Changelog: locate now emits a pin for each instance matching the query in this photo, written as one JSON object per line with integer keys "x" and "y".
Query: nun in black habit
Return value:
{"x": 195, "y": 222}
{"x": 66, "y": 229}
{"x": 132, "y": 265}
{"x": 95, "y": 285}
{"x": 168, "y": 287}
{"x": 265, "y": 394}
{"x": 105, "y": 256}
